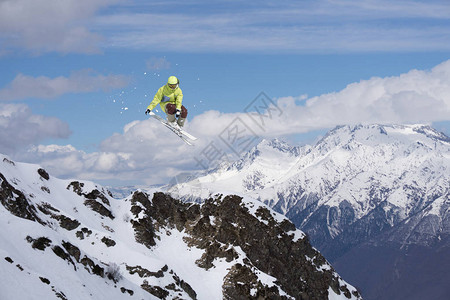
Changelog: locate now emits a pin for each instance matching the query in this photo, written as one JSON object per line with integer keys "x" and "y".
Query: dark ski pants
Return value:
{"x": 171, "y": 109}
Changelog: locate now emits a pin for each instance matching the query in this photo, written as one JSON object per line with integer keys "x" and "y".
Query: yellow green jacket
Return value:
{"x": 166, "y": 95}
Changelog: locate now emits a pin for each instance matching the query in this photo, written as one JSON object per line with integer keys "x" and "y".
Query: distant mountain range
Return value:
{"x": 64, "y": 239}
{"x": 374, "y": 199}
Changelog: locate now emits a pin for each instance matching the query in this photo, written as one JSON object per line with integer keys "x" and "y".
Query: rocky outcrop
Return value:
{"x": 225, "y": 228}
{"x": 92, "y": 198}
{"x": 43, "y": 174}
{"x": 16, "y": 201}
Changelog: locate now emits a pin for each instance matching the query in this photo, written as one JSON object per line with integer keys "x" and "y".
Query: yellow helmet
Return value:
{"x": 173, "y": 80}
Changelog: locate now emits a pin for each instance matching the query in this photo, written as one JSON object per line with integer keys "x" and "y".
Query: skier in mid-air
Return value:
{"x": 170, "y": 98}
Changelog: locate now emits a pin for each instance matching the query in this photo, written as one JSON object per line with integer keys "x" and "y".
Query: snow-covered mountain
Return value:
{"x": 68, "y": 239}
{"x": 378, "y": 184}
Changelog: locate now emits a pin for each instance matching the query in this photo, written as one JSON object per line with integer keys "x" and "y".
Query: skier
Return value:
{"x": 170, "y": 99}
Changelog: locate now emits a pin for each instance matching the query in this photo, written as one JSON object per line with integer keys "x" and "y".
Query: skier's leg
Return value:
{"x": 183, "y": 116}
{"x": 170, "y": 111}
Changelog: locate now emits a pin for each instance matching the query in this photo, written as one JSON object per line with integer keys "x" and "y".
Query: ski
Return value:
{"x": 185, "y": 136}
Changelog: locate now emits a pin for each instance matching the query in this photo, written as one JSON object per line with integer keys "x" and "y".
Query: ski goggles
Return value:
{"x": 173, "y": 86}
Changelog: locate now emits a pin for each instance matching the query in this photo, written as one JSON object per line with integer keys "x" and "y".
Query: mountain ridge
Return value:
{"x": 149, "y": 245}
{"x": 359, "y": 186}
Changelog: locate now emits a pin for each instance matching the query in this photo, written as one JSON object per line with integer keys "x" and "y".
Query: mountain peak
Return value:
{"x": 383, "y": 184}
{"x": 277, "y": 144}
{"x": 375, "y": 134}
{"x": 431, "y": 133}
{"x": 266, "y": 149}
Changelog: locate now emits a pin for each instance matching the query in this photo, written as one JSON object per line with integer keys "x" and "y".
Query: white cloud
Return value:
{"x": 83, "y": 81}
{"x": 413, "y": 97}
{"x": 146, "y": 152}
{"x": 20, "y": 128}
{"x": 47, "y": 25}
{"x": 294, "y": 26}
{"x": 68, "y": 162}
{"x": 418, "y": 96}
{"x": 69, "y": 26}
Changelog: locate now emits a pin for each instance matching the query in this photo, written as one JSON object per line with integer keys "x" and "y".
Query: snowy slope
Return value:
{"x": 264, "y": 165}
{"x": 29, "y": 273}
{"x": 71, "y": 239}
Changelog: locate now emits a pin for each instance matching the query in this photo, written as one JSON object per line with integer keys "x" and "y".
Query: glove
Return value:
{"x": 148, "y": 111}
{"x": 178, "y": 113}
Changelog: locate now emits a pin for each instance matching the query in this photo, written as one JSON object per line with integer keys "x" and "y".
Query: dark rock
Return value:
{"x": 44, "y": 174}
{"x": 99, "y": 208}
{"x": 92, "y": 267}
{"x": 248, "y": 286}
{"x": 60, "y": 295}
{"x": 16, "y": 202}
{"x": 77, "y": 187}
{"x": 124, "y": 290}
{"x": 8, "y": 259}
{"x": 96, "y": 194}
{"x": 155, "y": 290}
{"x": 108, "y": 242}
{"x": 142, "y": 272}
{"x": 74, "y": 251}
{"x": 47, "y": 209}
{"x": 185, "y": 287}
{"x": 40, "y": 243}
{"x": 144, "y": 230}
{"x": 64, "y": 222}
{"x": 80, "y": 233}
{"x": 172, "y": 287}
{"x": 9, "y": 161}
{"x": 45, "y": 189}
{"x": 67, "y": 223}
{"x": 44, "y": 280}
{"x": 63, "y": 254}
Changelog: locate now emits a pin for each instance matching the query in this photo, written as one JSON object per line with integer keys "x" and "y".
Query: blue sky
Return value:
{"x": 77, "y": 76}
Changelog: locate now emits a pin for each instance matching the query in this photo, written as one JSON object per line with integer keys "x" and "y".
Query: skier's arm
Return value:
{"x": 156, "y": 99}
{"x": 179, "y": 100}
